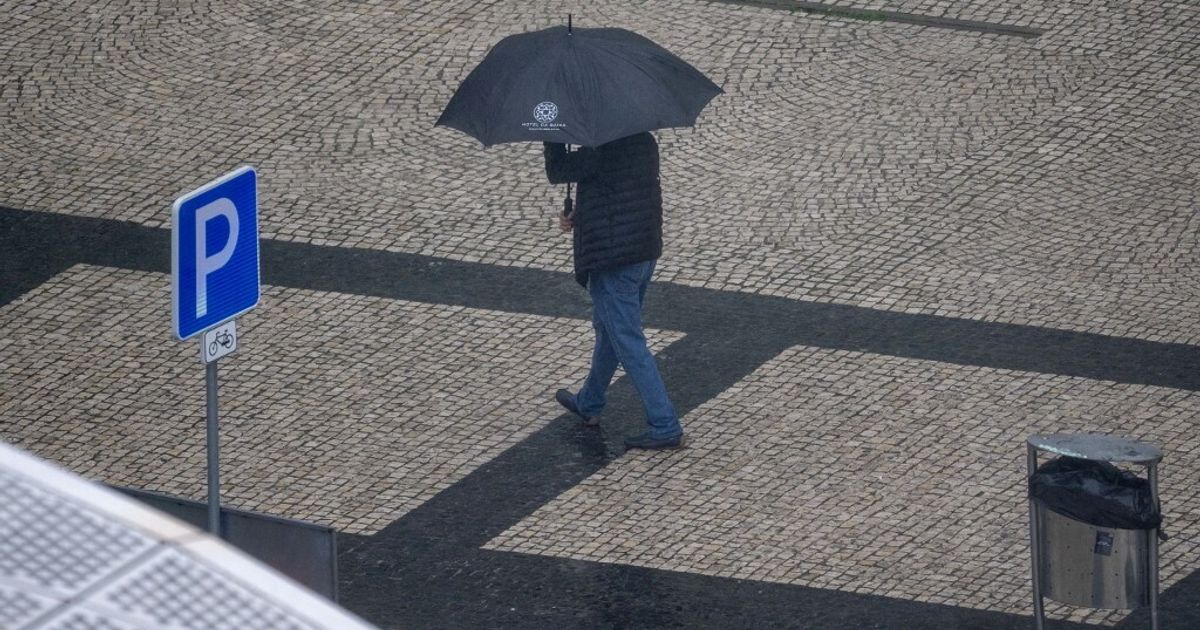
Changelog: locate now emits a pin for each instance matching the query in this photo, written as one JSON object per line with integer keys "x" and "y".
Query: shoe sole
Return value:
{"x": 680, "y": 446}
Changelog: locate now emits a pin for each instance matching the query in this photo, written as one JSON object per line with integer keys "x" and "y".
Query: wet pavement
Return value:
{"x": 893, "y": 252}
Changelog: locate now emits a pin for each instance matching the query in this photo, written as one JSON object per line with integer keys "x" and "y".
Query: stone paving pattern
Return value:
{"x": 868, "y": 163}
{"x": 343, "y": 410}
{"x": 881, "y": 475}
{"x": 1047, "y": 181}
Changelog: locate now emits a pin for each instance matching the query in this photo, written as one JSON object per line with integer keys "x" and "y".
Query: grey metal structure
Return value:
{"x": 1066, "y": 564}
{"x": 305, "y": 552}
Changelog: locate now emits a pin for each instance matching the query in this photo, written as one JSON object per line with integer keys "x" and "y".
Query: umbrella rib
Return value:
{"x": 674, "y": 95}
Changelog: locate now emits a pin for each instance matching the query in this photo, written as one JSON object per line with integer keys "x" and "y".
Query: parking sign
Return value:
{"x": 214, "y": 253}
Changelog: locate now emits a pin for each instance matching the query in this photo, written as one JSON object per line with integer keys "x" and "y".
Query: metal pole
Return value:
{"x": 1152, "y": 473}
{"x": 1035, "y": 543}
{"x": 214, "y": 447}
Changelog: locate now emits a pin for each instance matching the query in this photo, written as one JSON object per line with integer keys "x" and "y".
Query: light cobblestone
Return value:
{"x": 868, "y": 163}
{"x": 866, "y": 473}
{"x": 343, "y": 410}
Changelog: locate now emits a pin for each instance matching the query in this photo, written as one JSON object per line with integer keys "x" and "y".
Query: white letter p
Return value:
{"x": 205, "y": 264}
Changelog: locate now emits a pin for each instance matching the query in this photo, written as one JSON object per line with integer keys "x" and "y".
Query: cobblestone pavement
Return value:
{"x": 874, "y": 164}
{"x": 892, "y": 252}
{"x": 354, "y": 411}
{"x": 811, "y": 496}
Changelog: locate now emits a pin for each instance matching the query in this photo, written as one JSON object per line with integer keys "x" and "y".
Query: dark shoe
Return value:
{"x": 652, "y": 443}
{"x": 567, "y": 400}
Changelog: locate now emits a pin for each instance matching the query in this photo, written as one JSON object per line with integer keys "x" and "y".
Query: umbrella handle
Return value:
{"x": 568, "y": 205}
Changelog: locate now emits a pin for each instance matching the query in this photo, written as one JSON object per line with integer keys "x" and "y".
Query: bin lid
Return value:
{"x": 1102, "y": 448}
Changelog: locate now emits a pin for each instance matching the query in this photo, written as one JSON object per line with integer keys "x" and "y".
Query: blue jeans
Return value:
{"x": 617, "y": 296}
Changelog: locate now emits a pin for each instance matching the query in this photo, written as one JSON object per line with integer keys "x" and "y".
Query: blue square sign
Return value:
{"x": 214, "y": 253}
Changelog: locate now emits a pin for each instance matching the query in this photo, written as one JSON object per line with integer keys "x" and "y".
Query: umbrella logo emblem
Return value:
{"x": 545, "y": 112}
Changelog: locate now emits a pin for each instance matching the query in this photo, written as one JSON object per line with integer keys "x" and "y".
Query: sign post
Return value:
{"x": 214, "y": 451}
{"x": 215, "y": 278}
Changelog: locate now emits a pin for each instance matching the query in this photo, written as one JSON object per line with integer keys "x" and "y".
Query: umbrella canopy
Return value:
{"x": 582, "y": 86}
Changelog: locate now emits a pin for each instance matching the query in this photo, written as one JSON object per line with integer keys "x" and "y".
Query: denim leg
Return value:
{"x": 592, "y": 396}
{"x": 617, "y": 305}
{"x": 645, "y": 282}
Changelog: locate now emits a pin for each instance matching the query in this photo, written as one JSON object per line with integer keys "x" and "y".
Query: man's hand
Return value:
{"x": 564, "y": 223}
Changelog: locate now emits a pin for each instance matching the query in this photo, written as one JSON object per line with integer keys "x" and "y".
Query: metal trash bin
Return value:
{"x": 1093, "y": 528}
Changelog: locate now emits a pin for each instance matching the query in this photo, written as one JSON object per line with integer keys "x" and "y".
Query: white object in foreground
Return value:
{"x": 78, "y": 555}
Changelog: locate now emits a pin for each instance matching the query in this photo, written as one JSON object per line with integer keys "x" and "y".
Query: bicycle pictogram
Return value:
{"x": 223, "y": 339}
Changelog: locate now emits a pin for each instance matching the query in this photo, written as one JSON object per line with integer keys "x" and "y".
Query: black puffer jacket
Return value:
{"x": 618, "y": 210}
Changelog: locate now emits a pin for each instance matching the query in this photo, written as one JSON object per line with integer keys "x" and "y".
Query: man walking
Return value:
{"x": 617, "y": 231}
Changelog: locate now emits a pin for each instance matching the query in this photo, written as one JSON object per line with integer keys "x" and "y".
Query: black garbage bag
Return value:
{"x": 1097, "y": 493}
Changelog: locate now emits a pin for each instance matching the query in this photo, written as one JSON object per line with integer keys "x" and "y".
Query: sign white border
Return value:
{"x": 175, "y": 208}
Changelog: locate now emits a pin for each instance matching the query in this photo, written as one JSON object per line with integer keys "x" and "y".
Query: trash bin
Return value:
{"x": 1094, "y": 527}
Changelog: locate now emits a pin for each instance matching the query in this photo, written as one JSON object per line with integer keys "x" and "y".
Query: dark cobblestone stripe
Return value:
{"x": 427, "y": 567}
{"x": 33, "y": 244}
{"x": 869, "y": 15}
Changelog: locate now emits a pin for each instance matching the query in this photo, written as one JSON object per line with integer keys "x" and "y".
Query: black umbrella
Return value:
{"x": 582, "y": 86}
